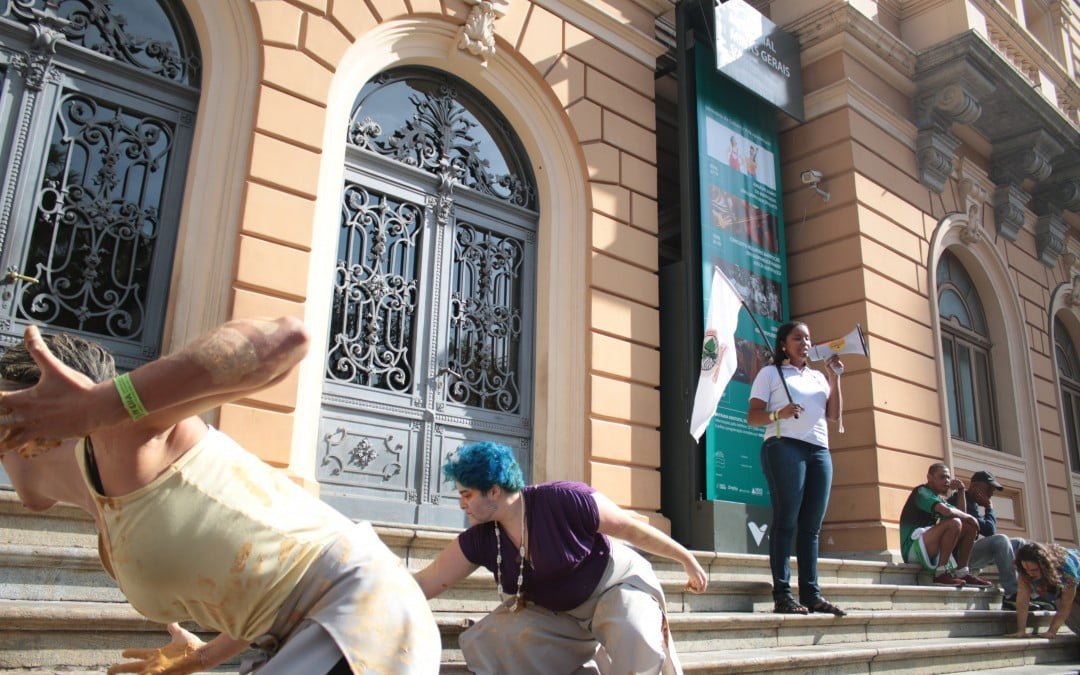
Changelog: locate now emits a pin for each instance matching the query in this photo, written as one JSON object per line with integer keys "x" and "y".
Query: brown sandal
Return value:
{"x": 823, "y": 606}
{"x": 789, "y": 606}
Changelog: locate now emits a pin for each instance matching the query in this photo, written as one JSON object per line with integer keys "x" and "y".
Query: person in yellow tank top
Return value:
{"x": 194, "y": 527}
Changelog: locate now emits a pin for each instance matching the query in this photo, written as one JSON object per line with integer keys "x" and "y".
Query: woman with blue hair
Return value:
{"x": 576, "y": 601}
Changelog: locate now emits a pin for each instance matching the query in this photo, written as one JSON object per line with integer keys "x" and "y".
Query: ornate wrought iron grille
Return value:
{"x": 97, "y": 219}
{"x": 375, "y": 291}
{"x": 141, "y": 33}
{"x": 485, "y": 320}
{"x": 425, "y": 119}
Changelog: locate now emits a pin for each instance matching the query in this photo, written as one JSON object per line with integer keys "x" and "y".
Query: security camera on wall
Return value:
{"x": 812, "y": 177}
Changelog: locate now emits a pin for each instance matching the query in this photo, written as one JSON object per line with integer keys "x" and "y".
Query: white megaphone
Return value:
{"x": 852, "y": 343}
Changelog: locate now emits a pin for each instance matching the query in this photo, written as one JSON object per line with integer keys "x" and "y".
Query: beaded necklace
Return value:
{"x": 519, "y": 598}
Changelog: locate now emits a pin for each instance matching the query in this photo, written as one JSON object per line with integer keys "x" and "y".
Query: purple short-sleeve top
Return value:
{"x": 567, "y": 553}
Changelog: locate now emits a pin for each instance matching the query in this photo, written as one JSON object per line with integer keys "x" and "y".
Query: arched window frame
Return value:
{"x": 966, "y": 348}
{"x": 1020, "y": 459}
{"x": 1067, "y": 365}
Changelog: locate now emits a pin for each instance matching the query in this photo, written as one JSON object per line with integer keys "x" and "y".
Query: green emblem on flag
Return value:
{"x": 710, "y": 352}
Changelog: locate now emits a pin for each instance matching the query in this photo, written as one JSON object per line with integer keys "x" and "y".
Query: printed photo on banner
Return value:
{"x": 743, "y": 220}
{"x": 761, "y": 294}
{"x": 752, "y": 358}
{"x": 737, "y": 151}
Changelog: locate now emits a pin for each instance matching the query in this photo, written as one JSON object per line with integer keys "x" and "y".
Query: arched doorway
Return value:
{"x": 433, "y": 312}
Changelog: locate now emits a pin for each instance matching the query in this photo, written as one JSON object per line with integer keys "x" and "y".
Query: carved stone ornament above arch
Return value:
{"x": 971, "y": 195}
{"x": 478, "y": 33}
{"x": 1071, "y": 295}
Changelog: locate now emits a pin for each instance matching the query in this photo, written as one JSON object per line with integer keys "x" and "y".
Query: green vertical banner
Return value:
{"x": 742, "y": 232}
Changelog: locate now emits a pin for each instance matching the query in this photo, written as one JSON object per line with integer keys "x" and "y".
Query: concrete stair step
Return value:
{"x": 36, "y": 634}
{"x": 952, "y": 655}
{"x": 731, "y": 631}
{"x": 66, "y": 636}
{"x": 54, "y": 573}
{"x": 1032, "y": 669}
{"x": 68, "y": 527}
{"x": 477, "y": 594}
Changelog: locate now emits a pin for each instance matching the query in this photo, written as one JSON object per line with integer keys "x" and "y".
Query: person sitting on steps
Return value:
{"x": 932, "y": 531}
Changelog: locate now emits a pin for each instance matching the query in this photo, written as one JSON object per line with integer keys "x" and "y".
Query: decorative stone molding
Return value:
{"x": 1051, "y": 198}
{"x": 948, "y": 94}
{"x": 1025, "y": 157}
{"x": 1072, "y": 298}
{"x": 971, "y": 197}
{"x": 478, "y": 34}
{"x": 1050, "y": 234}
{"x": 935, "y": 152}
{"x": 957, "y": 80}
{"x": 1010, "y": 200}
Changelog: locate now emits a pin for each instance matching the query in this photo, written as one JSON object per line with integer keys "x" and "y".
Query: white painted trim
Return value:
{"x": 1013, "y": 379}
{"x": 560, "y": 406}
{"x": 204, "y": 264}
{"x": 1071, "y": 318}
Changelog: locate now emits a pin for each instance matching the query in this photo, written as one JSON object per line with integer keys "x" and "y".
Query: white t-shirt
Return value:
{"x": 809, "y": 388}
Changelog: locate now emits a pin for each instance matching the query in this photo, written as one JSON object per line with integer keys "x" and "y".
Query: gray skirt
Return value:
{"x": 621, "y": 628}
{"x": 360, "y": 595}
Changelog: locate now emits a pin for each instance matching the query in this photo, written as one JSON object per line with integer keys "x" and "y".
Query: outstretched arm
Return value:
{"x": 615, "y": 522}
{"x": 449, "y": 568}
{"x": 235, "y": 359}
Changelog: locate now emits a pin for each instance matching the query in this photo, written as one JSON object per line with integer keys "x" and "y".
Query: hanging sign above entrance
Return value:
{"x": 751, "y": 50}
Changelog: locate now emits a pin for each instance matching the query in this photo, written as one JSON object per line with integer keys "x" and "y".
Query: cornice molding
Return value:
{"x": 642, "y": 48}
{"x": 847, "y": 93}
{"x": 818, "y": 26}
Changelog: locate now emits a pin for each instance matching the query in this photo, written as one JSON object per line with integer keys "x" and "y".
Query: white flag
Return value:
{"x": 718, "y": 357}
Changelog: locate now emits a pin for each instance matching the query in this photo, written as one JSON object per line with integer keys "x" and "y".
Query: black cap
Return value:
{"x": 987, "y": 477}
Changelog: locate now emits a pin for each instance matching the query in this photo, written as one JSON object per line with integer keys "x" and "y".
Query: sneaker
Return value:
{"x": 946, "y": 579}
{"x": 1008, "y": 603}
{"x": 972, "y": 580}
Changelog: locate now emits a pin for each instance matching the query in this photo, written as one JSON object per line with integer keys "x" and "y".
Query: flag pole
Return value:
{"x": 760, "y": 330}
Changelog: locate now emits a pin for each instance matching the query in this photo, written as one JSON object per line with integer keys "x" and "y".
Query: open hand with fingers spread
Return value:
{"x": 179, "y": 657}
{"x": 39, "y": 417}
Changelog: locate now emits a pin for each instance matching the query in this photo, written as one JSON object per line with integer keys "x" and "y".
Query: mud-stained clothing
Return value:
{"x": 223, "y": 539}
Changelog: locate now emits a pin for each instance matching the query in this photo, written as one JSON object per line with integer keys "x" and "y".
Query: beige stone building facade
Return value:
{"x": 946, "y": 130}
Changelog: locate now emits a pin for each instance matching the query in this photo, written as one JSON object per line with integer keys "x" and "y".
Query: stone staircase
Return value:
{"x": 59, "y": 612}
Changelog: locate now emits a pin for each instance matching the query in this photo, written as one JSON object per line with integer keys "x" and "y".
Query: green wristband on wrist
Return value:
{"x": 129, "y": 397}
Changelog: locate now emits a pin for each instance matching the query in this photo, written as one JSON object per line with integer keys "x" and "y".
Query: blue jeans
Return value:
{"x": 799, "y": 476}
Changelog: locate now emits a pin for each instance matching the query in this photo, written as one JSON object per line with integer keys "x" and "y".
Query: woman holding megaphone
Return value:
{"x": 792, "y": 401}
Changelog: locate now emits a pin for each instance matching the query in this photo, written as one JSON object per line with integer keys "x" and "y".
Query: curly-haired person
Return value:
{"x": 1049, "y": 570}
{"x": 578, "y": 601}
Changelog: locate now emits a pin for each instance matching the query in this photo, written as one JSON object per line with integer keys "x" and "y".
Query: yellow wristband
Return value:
{"x": 774, "y": 416}
{"x": 129, "y": 397}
